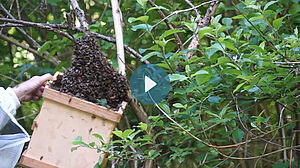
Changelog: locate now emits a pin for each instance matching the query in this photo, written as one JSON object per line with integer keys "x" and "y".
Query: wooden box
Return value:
{"x": 63, "y": 118}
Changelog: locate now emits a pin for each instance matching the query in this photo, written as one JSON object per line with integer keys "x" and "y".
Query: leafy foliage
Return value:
{"x": 240, "y": 86}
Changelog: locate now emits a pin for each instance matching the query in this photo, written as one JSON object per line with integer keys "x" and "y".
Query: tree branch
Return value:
{"x": 22, "y": 23}
{"x": 170, "y": 26}
{"x": 54, "y": 62}
{"x": 31, "y": 41}
{"x": 202, "y": 23}
{"x": 50, "y": 27}
{"x": 80, "y": 16}
{"x": 138, "y": 108}
{"x": 192, "y": 5}
{"x": 182, "y": 11}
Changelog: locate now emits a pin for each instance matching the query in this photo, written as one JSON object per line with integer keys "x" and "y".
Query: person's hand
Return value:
{"x": 33, "y": 88}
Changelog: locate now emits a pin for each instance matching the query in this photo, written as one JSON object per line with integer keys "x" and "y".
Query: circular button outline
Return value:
{"x": 155, "y": 73}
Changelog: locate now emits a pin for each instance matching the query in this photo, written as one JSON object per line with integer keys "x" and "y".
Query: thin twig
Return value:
{"x": 10, "y": 78}
{"x": 283, "y": 134}
{"x": 291, "y": 153}
{"x": 103, "y": 13}
{"x": 202, "y": 23}
{"x": 80, "y": 15}
{"x": 181, "y": 11}
{"x": 260, "y": 156}
{"x": 193, "y": 136}
{"x": 192, "y": 5}
{"x": 50, "y": 27}
{"x": 286, "y": 63}
{"x": 26, "y": 48}
{"x": 245, "y": 128}
{"x": 33, "y": 6}
{"x": 27, "y": 116}
{"x": 170, "y": 26}
{"x": 62, "y": 26}
{"x": 31, "y": 40}
{"x": 265, "y": 148}
{"x": 227, "y": 158}
{"x": 18, "y": 10}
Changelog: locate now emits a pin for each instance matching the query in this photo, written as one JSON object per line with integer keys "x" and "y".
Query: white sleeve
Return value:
{"x": 9, "y": 101}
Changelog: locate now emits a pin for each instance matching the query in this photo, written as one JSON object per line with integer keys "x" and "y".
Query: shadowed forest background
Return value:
{"x": 233, "y": 66}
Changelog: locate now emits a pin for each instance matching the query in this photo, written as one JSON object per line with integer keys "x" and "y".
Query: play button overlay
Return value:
{"x": 149, "y": 84}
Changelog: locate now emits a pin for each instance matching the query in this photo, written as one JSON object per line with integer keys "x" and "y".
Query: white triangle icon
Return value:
{"x": 149, "y": 84}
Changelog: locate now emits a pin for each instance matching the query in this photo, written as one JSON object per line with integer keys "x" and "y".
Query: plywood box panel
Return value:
{"x": 61, "y": 120}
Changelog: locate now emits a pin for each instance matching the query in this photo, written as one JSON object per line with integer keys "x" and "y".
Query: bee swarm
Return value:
{"x": 91, "y": 76}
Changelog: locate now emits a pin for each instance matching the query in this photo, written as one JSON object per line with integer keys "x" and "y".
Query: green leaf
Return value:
{"x": 53, "y": 2}
{"x": 92, "y": 144}
{"x": 205, "y": 31}
{"x": 257, "y": 48}
{"x": 165, "y": 107}
{"x": 142, "y": 2}
{"x": 155, "y": 118}
{"x": 223, "y": 111}
{"x": 169, "y": 32}
{"x": 202, "y": 79}
{"x": 219, "y": 46}
{"x": 118, "y": 133}
{"x": 253, "y": 7}
{"x": 161, "y": 43}
{"x": 222, "y": 60}
{"x": 238, "y": 134}
{"x": 77, "y": 140}
{"x": 157, "y": 7}
{"x": 214, "y": 99}
{"x": 181, "y": 159}
{"x": 134, "y": 134}
{"x": 230, "y": 46}
{"x": 254, "y": 126}
{"x": 216, "y": 19}
{"x": 143, "y": 126}
{"x": 51, "y": 54}
{"x": 145, "y": 27}
{"x": 44, "y": 47}
{"x": 227, "y": 22}
{"x": 238, "y": 17}
{"x": 149, "y": 55}
{"x": 239, "y": 86}
{"x": 99, "y": 137}
{"x": 256, "y": 17}
{"x": 177, "y": 77}
{"x": 126, "y": 133}
{"x": 187, "y": 69}
{"x": 190, "y": 25}
{"x": 212, "y": 114}
{"x": 178, "y": 105}
{"x": 164, "y": 65}
{"x": 278, "y": 22}
{"x": 74, "y": 148}
{"x": 100, "y": 161}
{"x": 200, "y": 72}
{"x": 141, "y": 18}
{"x": 269, "y": 4}
{"x": 294, "y": 9}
